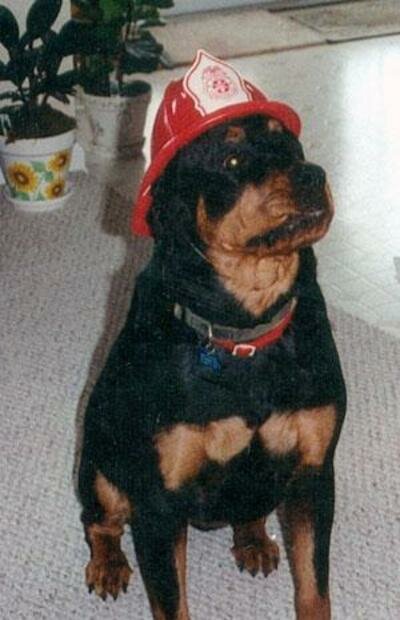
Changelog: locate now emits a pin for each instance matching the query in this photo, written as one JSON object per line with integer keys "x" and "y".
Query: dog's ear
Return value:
{"x": 173, "y": 209}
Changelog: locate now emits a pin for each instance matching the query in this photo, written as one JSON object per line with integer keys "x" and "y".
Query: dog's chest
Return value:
{"x": 186, "y": 451}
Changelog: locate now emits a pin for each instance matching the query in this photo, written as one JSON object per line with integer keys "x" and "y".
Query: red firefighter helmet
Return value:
{"x": 211, "y": 92}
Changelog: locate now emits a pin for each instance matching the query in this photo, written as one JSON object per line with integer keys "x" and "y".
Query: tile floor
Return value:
{"x": 348, "y": 96}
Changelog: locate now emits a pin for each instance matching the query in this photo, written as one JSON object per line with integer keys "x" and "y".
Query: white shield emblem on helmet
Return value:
{"x": 213, "y": 84}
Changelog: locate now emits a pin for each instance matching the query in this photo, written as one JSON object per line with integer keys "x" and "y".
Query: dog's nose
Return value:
{"x": 309, "y": 176}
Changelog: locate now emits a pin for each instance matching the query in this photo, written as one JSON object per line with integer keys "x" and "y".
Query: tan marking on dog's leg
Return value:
{"x": 180, "y": 562}
{"x": 115, "y": 503}
{"x": 182, "y": 612}
{"x": 108, "y": 570}
{"x": 316, "y": 429}
{"x": 307, "y": 431}
{"x": 226, "y": 438}
{"x": 253, "y": 550}
{"x": 310, "y": 605}
{"x": 181, "y": 453}
{"x": 184, "y": 449}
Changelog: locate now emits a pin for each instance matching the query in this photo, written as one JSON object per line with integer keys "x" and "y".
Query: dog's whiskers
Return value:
{"x": 198, "y": 251}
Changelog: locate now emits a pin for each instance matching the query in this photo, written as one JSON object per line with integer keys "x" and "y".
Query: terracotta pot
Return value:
{"x": 36, "y": 171}
{"x": 111, "y": 127}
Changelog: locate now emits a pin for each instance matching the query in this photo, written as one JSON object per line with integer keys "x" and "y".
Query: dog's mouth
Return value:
{"x": 313, "y": 219}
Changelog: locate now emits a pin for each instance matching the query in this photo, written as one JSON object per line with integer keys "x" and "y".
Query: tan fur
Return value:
{"x": 181, "y": 453}
{"x": 226, "y": 438}
{"x": 253, "y": 549}
{"x": 258, "y": 210}
{"x": 235, "y": 134}
{"x": 108, "y": 571}
{"x": 258, "y": 275}
{"x": 256, "y": 281}
{"x": 180, "y": 563}
{"x": 310, "y": 605}
{"x": 115, "y": 504}
{"x": 274, "y": 125}
{"x": 184, "y": 449}
{"x": 307, "y": 431}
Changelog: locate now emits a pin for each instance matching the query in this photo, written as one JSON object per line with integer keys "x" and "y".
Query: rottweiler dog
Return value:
{"x": 223, "y": 397}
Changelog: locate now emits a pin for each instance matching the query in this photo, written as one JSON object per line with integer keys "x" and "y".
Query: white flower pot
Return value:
{"x": 111, "y": 127}
{"x": 36, "y": 171}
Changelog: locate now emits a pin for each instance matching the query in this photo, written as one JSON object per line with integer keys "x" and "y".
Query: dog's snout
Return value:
{"x": 309, "y": 176}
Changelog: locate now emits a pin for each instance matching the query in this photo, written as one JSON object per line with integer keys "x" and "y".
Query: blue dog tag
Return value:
{"x": 208, "y": 358}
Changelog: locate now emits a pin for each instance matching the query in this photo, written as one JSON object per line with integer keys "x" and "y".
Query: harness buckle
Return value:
{"x": 244, "y": 350}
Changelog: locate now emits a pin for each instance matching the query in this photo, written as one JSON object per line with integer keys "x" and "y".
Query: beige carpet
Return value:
{"x": 66, "y": 281}
{"x": 355, "y": 20}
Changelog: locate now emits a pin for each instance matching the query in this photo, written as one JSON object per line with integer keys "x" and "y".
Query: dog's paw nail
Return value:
{"x": 90, "y": 588}
{"x": 124, "y": 588}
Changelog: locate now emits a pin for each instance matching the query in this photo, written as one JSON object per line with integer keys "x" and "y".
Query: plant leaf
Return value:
{"x": 140, "y": 58}
{"x": 113, "y": 9}
{"x": 85, "y": 10}
{"x": 21, "y": 65}
{"x": 9, "y": 30}
{"x": 41, "y": 16}
{"x": 79, "y": 38}
{"x": 152, "y": 23}
{"x": 3, "y": 71}
{"x": 49, "y": 57}
{"x": 22, "y": 196}
{"x": 10, "y": 94}
{"x": 38, "y": 166}
{"x": 161, "y": 4}
{"x": 66, "y": 81}
{"x": 59, "y": 96}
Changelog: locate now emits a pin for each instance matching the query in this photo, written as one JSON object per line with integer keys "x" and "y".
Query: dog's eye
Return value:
{"x": 233, "y": 162}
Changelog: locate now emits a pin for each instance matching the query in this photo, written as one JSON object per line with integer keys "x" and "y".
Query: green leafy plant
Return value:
{"x": 128, "y": 46}
{"x": 34, "y": 69}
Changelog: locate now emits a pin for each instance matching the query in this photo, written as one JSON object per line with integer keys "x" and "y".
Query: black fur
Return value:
{"x": 153, "y": 380}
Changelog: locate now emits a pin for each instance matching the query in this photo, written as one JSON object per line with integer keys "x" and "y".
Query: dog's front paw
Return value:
{"x": 108, "y": 576}
{"x": 259, "y": 554}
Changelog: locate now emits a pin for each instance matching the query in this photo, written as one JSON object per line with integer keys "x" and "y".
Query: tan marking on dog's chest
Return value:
{"x": 307, "y": 431}
{"x": 186, "y": 448}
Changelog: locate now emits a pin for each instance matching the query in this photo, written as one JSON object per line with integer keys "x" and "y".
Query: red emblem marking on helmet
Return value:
{"x": 217, "y": 83}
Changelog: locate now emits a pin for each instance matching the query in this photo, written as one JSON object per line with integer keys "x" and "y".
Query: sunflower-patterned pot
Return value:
{"x": 36, "y": 170}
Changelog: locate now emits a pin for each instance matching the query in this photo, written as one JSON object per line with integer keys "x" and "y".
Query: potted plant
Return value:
{"x": 36, "y": 139}
{"x": 111, "y": 106}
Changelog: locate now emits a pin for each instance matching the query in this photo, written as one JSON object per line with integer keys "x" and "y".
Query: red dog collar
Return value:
{"x": 239, "y": 342}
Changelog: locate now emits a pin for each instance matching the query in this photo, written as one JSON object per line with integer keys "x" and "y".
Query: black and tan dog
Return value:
{"x": 223, "y": 397}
